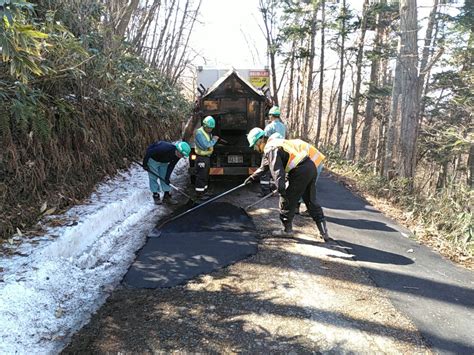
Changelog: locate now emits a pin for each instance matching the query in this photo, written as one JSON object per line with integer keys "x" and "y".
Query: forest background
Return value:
{"x": 86, "y": 85}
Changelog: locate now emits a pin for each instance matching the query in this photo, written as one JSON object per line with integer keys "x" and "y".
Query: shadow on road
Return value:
{"x": 361, "y": 223}
{"x": 363, "y": 253}
{"x": 358, "y": 252}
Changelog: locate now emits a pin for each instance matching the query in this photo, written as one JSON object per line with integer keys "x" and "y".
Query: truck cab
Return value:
{"x": 237, "y": 106}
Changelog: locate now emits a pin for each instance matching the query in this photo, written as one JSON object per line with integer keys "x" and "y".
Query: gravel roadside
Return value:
{"x": 288, "y": 298}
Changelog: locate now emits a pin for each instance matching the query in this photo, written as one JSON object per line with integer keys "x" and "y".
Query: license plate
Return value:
{"x": 235, "y": 159}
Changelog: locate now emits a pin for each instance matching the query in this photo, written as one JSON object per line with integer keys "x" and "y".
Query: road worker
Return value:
{"x": 275, "y": 129}
{"x": 204, "y": 148}
{"x": 160, "y": 159}
{"x": 276, "y": 125}
{"x": 289, "y": 158}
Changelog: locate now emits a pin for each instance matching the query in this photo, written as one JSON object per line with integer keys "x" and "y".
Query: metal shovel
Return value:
{"x": 273, "y": 193}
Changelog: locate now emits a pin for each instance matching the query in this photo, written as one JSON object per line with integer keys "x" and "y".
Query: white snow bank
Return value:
{"x": 66, "y": 276}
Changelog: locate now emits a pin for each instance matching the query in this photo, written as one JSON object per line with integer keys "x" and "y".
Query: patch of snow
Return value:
{"x": 68, "y": 273}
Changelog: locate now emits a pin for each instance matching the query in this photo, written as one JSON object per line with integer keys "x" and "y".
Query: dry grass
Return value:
{"x": 46, "y": 176}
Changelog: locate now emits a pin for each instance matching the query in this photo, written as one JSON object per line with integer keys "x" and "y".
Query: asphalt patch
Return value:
{"x": 205, "y": 240}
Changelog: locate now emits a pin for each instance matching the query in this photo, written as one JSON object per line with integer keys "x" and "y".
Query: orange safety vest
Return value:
{"x": 297, "y": 150}
{"x": 207, "y": 152}
{"x": 296, "y": 155}
{"x": 314, "y": 154}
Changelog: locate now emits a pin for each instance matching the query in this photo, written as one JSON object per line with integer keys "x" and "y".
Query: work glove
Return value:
{"x": 249, "y": 180}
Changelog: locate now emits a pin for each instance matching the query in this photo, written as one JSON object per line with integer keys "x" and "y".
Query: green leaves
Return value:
{"x": 21, "y": 42}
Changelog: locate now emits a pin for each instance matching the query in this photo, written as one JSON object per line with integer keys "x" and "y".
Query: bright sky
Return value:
{"x": 229, "y": 34}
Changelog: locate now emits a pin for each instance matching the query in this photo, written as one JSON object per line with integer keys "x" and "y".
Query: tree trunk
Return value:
{"x": 339, "y": 118}
{"x": 332, "y": 99}
{"x": 470, "y": 163}
{"x": 374, "y": 82}
{"x": 309, "y": 82}
{"x": 177, "y": 43}
{"x": 289, "y": 104}
{"x": 380, "y": 146}
{"x": 392, "y": 122}
{"x": 321, "y": 74}
{"x": 181, "y": 65}
{"x": 298, "y": 98}
{"x": 125, "y": 19}
{"x": 360, "y": 56}
{"x": 265, "y": 9}
{"x": 163, "y": 32}
{"x": 409, "y": 87}
{"x": 427, "y": 50}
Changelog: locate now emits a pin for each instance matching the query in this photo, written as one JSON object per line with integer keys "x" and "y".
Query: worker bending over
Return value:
{"x": 204, "y": 148}
{"x": 160, "y": 160}
{"x": 289, "y": 158}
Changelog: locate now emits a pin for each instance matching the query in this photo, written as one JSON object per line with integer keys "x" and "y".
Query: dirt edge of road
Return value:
{"x": 296, "y": 295}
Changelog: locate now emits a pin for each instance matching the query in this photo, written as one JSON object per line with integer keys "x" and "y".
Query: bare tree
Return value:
{"x": 268, "y": 10}
{"x": 339, "y": 119}
{"x": 289, "y": 104}
{"x": 429, "y": 43}
{"x": 409, "y": 87}
{"x": 321, "y": 73}
{"x": 360, "y": 56}
{"x": 373, "y": 84}
{"x": 392, "y": 121}
{"x": 309, "y": 76}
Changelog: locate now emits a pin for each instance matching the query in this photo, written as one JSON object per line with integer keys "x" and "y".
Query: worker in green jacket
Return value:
{"x": 204, "y": 147}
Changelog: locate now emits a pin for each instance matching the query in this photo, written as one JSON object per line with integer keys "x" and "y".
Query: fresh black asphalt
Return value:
{"x": 212, "y": 237}
{"x": 437, "y": 295}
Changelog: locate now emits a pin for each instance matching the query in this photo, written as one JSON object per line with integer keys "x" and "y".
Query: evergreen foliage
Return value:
{"x": 71, "y": 108}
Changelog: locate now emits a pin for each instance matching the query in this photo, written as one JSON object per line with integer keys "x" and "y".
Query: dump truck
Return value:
{"x": 238, "y": 100}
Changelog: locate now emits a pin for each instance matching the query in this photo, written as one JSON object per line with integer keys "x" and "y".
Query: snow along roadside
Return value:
{"x": 49, "y": 294}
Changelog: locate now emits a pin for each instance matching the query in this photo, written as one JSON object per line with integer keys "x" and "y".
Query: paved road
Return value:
{"x": 434, "y": 293}
{"x": 211, "y": 238}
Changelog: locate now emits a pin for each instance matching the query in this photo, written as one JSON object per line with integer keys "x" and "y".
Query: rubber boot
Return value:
{"x": 286, "y": 231}
{"x": 202, "y": 196}
{"x": 157, "y": 198}
{"x": 168, "y": 199}
{"x": 323, "y": 230}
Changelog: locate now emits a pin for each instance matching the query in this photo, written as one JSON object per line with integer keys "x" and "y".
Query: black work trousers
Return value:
{"x": 265, "y": 183}
{"x": 301, "y": 184}
{"x": 203, "y": 165}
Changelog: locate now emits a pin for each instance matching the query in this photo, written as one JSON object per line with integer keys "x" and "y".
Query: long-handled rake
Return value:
{"x": 198, "y": 206}
{"x": 273, "y": 193}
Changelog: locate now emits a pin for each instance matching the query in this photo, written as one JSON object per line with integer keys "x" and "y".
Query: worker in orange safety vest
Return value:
{"x": 291, "y": 159}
